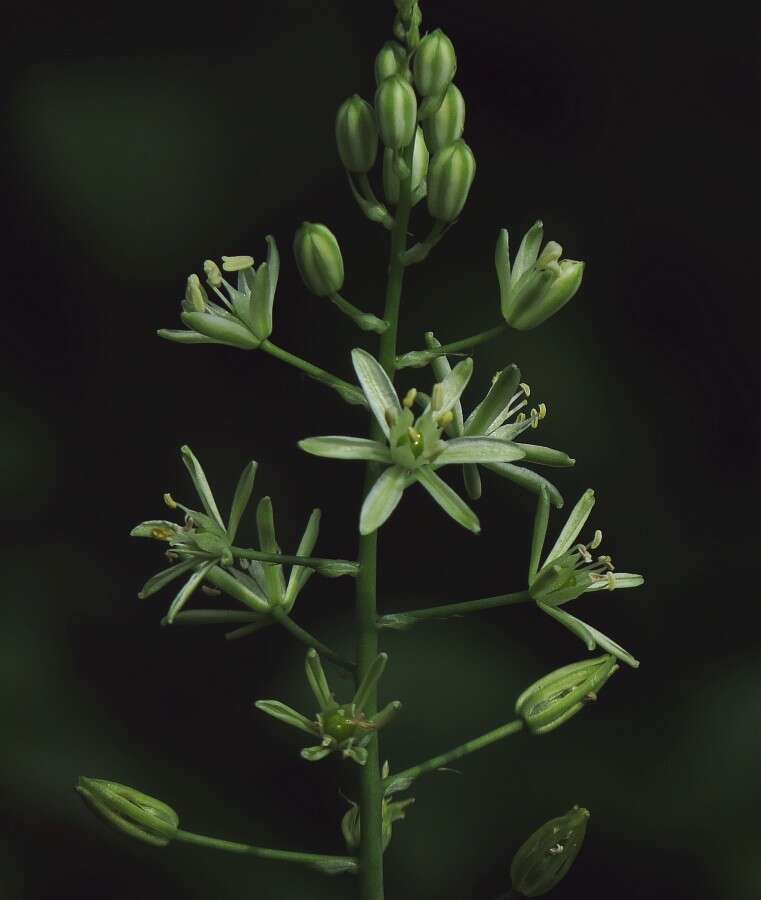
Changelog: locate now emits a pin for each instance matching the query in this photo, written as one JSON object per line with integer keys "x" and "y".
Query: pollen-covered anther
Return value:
{"x": 542, "y": 410}
{"x": 446, "y": 418}
{"x": 170, "y": 502}
{"x": 521, "y": 417}
{"x": 213, "y": 275}
{"x": 607, "y": 561}
{"x": 525, "y": 388}
{"x": 162, "y": 534}
{"x": 409, "y": 398}
{"x": 237, "y": 263}
{"x": 584, "y": 553}
{"x": 596, "y": 540}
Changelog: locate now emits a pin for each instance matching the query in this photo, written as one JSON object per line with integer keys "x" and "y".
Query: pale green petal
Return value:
{"x": 183, "y": 336}
{"x": 187, "y": 590}
{"x": 528, "y": 480}
{"x": 161, "y": 579}
{"x": 492, "y": 410}
{"x": 448, "y": 500}
{"x": 383, "y": 499}
{"x": 527, "y": 253}
{"x": 273, "y": 572}
{"x": 447, "y": 392}
{"x": 576, "y": 520}
{"x": 591, "y": 636}
{"x": 314, "y": 754}
{"x": 318, "y": 682}
{"x": 301, "y": 574}
{"x": 441, "y": 369}
{"x": 201, "y": 484}
{"x": 284, "y": 713}
{"x": 621, "y": 580}
{"x": 478, "y": 450}
{"x": 241, "y": 498}
{"x": 340, "y": 447}
{"x": 377, "y": 387}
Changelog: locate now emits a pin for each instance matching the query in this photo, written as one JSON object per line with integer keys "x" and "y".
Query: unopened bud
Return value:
{"x": 319, "y": 259}
{"x": 396, "y": 109}
{"x": 420, "y": 158}
{"x": 435, "y": 64}
{"x": 356, "y": 135}
{"x": 450, "y": 177}
{"x": 545, "y": 858}
{"x": 391, "y": 60}
{"x": 446, "y": 125}
{"x": 130, "y": 811}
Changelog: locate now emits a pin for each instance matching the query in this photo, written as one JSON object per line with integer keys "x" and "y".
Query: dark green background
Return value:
{"x": 140, "y": 140}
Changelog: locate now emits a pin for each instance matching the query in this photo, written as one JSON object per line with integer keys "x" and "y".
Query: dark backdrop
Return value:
{"x": 142, "y": 138}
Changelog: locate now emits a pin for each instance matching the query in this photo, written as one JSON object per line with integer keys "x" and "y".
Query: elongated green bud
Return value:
{"x": 435, "y": 64}
{"x": 450, "y": 177}
{"x": 396, "y": 109}
{"x": 545, "y": 858}
{"x": 319, "y": 259}
{"x": 356, "y": 135}
{"x": 420, "y": 158}
{"x": 129, "y": 811}
{"x": 446, "y": 125}
{"x": 391, "y": 60}
{"x": 560, "y": 695}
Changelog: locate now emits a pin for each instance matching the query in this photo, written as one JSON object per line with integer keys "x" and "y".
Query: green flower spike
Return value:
{"x": 545, "y": 858}
{"x": 341, "y": 727}
{"x": 243, "y": 316}
{"x": 129, "y": 811}
{"x": 202, "y": 548}
{"x": 538, "y": 284}
{"x": 503, "y": 415}
{"x": 569, "y": 570}
{"x": 414, "y": 448}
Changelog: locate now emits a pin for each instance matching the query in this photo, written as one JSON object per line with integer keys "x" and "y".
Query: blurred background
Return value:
{"x": 140, "y": 139}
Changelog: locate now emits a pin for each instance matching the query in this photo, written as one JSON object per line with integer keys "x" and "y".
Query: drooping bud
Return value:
{"x": 435, "y": 64}
{"x": 450, "y": 177}
{"x": 420, "y": 158}
{"x": 130, "y": 811}
{"x": 545, "y": 858}
{"x": 391, "y": 60}
{"x": 446, "y": 125}
{"x": 560, "y": 695}
{"x": 319, "y": 259}
{"x": 396, "y": 109}
{"x": 356, "y": 135}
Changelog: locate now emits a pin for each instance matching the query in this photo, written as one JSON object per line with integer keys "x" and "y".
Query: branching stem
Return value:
{"x": 405, "y": 619}
{"x": 301, "y": 634}
{"x": 350, "y": 392}
{"x": 419, "y": 358}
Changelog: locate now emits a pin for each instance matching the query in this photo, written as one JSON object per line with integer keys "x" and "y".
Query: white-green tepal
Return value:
{"x": 545, "y": 858}
{"x": 319, "y": 259}
{"x": 537, "y": 285}
{"x": 396, "y": 109}
{"x": 450, "y": 177}
{"x": 447, "y": 124}
{"x": 356, "y": 135}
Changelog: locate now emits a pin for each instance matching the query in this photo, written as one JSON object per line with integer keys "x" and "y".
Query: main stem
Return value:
{"x": 371, "y": 787}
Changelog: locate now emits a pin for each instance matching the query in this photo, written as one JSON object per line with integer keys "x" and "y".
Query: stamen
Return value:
{"x": 606, "y": 561}
{"x": 194, "y": 294}
{"x": 585, "y": 554}
{"x": 237, "y": 263}
{"x": 170, "y": 502}
{"x": 611, "y": 578}
{"x": 162, "y": 534}
{"x": 409, "y": 398}
{"x": 213, "y": 275}
{"x": 596, "y": 540}
{"x": 446, "y": 419}
{"x": 414, "y": 435}
{"x": 525, "y": 388}
{"x": 542, "y": 410}
{"x": 521, "y": 417}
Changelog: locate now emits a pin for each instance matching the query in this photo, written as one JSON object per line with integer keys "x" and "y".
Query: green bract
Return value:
{"x": 414, "y": 448}
{"x": 538, "y": 284}
{"x": 341, "y": 727}
{"x": 447, "y": 124}
{"x": 243, "y": 317}
{"x": 450, "y": 177}
{"x": 396, "y": 109}
{"x": 545, "y": 858}
{"x": 356, "y": 135}
{"x": 569, "y": 571}
{"x": 319, "y": 259}
{"x": 130, "y": 811}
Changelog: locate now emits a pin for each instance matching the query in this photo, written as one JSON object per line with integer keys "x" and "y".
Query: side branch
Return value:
{"x": 349, "y": 392}
{"x": 331, "y": 568}
{"x": 407, "y": 619}
{"x": 419, "y": 358}
{"x": 301, "y": 634}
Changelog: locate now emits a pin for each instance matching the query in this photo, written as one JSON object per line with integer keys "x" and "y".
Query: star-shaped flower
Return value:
{"x": 414, "y": 448}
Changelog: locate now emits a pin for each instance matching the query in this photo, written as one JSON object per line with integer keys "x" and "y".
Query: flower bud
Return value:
{"x": 396, "y": 109}
{"x": 545, "y": 858}
{"x": 435, "y": 64}
{"x": 130, "y": 811}
{"x": 319, "y": 259}
{"x": 391, "y": 60}
{"x": 560, "y": 695}
{"x": 420, "y": 158}
{"x": 446, "y": 125}
{"x": 356, "y": 135}
{"x": 449, "y": 179}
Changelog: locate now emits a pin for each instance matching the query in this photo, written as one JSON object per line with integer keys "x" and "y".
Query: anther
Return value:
{"x": 170, "y": 502}
{"x": 525, "y": 388}
{"x": 409, "y": 398}
{"x": 213, "y": 275}
{"x": 237, "y": 263}
{"x": 446, "y": 418}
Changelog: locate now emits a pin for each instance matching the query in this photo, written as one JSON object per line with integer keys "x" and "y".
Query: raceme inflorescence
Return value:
{"x": 411, "y": 136}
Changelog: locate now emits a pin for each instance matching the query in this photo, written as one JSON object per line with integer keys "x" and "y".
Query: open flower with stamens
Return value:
{"x": 340, "y": 727}
{"x": 202, "y": 548}
{"x": 243, "y": 316}
{"x": 503, "y": 414}
{"x": 570, "y": 570}
{"x": 414, "y": 448}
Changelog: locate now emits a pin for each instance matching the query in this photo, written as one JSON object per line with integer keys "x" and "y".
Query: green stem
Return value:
{"x": 350, "y": 393}
{"x": 443, "y": 759}
{"x": 316, "y": 860}
{"x": 371, "y": 786}
{"x": 331, "y": 568}
{"x": 404, "y": 619}
{"x": 363, "y": 320}
{"x": 301, "y": 634}
{"x": 418, "y": 358}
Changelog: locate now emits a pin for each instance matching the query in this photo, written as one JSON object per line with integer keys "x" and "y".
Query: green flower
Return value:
{"x": 569, "y": 570}
{"x": 502, "y": 415}
{"x": 243, "y": 316}
{"x": 414, "y": 448}
{"x": 547, "y": 855}
{"x": 202, "y": 548}
{"x": 341, "y": 727}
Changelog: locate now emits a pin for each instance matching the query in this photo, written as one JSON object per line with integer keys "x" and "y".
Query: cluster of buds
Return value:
{"x": 340, "y": 727}
{"x": 242, "y": 317}
{"x": 544, "y": 859}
